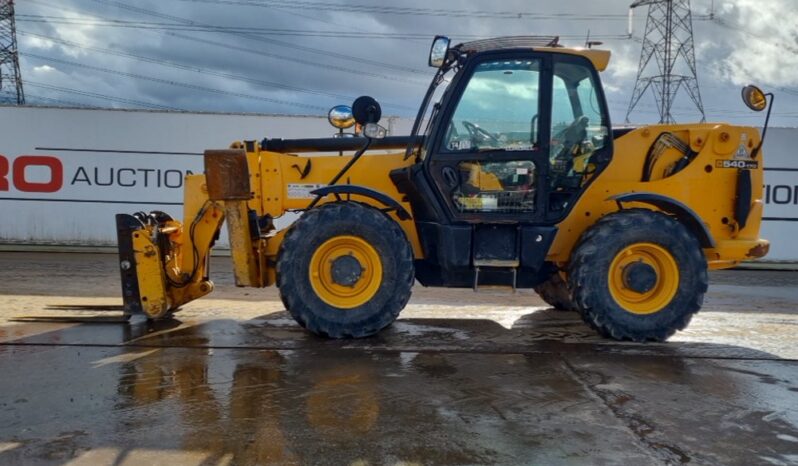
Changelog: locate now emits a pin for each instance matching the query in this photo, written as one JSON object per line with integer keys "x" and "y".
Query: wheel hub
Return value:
{"x": 346, "y": 270}
{"x": 639, "y": 277}
{"x": 643, "y": 278}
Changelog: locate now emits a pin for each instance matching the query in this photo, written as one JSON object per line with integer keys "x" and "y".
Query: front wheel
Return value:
{"x": 345, "y": 270}
{"x": 638, "y": 275}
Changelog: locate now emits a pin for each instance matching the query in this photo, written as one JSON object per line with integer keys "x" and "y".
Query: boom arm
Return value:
{"x": 164, "y": 264}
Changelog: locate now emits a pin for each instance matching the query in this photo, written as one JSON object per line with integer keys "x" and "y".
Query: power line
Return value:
{"x": 195, "y": 69}
{"x": 264, "y": 53}
{"x": 170, "y": 82}
{"x": 768, "y": 39}
{"x": 394, "y": 10}
{"x": 324, "y": 53}
{"x": 99, "y": 96}
{"x": 294, "y": 59}
{"x": 33, "y": 98}
{"x": 425, "y": 36}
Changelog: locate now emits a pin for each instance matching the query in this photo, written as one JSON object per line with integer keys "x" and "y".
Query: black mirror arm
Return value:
{"x": 756, "y": 150}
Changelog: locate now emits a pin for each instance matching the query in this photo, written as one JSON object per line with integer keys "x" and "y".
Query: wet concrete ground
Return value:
{"x": 461, "y": 378}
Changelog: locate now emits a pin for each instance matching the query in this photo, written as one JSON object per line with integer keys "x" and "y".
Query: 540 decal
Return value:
{"x": 745, "y": 164}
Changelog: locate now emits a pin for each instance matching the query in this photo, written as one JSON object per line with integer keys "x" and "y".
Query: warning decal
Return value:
{"x": 302, "y": 190}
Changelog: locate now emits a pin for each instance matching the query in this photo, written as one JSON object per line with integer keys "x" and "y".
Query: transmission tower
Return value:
{"x": 667, "y": 59}
{"x": 10, "y": 78}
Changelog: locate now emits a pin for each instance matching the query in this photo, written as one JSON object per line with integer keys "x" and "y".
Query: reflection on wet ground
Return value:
{"x": 465, "y": 384}
{"x": 440, "y": 392}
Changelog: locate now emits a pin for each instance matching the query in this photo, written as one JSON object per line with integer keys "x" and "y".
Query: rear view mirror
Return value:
{"x": 438, "y": 51}
{"x": 341, "y": 117}
{"x": 754, "y": 98}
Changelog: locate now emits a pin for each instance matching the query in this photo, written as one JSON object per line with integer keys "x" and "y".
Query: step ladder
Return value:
{"x": 511, "y": 264}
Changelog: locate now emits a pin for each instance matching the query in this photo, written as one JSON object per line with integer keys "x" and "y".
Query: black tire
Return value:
{"x": 590, "y": 267}
{"x": 313, "y": 229}
{"x": 554, "y": 291}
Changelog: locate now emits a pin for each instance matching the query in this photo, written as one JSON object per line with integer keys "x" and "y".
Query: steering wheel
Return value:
{"x": 478, "y": 133}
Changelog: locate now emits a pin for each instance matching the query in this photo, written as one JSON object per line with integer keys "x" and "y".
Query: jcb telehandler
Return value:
{"x": 514, "y": 178}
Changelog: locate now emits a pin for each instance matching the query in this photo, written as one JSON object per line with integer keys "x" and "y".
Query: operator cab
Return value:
{"x": 517, "y": 135}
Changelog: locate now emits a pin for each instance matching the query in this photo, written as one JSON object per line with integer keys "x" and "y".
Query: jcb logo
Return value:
{"x": 746, "y": 164}
{"x": 16, "y": 174}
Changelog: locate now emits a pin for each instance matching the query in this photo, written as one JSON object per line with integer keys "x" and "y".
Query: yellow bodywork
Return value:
{"x": 599, "y": 58}
{"x": 708, "y": 190}
{"x": 284, "y": 188}
{"x": 281, "y": 183}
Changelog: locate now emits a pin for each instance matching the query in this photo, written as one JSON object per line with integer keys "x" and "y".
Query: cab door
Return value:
{"x": 488, "y": 162}
{"x": 489, "y": 152}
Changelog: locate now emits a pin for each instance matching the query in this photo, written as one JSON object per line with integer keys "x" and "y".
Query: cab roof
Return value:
{"x": 599, "y": 58}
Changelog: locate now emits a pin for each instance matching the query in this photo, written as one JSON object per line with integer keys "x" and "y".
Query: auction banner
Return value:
{"x": 65, "y": 173}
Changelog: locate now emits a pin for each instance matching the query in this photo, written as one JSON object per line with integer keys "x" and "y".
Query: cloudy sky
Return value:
{"x": 303, "y": 56}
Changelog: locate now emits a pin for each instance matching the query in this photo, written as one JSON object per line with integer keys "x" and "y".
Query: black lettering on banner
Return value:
{"x": 81, "y": 176}
{"x": 127, "y": 177}
{"x": 784, "y": 198}
{"x": 146, "y": 172}
{"x": 179, "y": 178}
{"x": 97, "y": 177}
{"x": 119, "y": 177}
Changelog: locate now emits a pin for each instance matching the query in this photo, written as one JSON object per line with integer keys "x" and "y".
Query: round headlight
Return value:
{"x": 341, "y": 117}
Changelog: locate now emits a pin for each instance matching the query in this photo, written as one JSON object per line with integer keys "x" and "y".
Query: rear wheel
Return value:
{"x": 638, "y": 275}
{"x": 345, "y": 270}
{"x": 555, "y": 293}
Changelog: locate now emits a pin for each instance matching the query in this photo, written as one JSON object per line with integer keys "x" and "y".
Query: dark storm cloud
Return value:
{"x": 277, "y": 68}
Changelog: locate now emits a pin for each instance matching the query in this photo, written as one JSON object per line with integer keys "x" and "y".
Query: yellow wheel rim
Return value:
{"x": 359, "y": 287}
{"x": 663, "y": 288}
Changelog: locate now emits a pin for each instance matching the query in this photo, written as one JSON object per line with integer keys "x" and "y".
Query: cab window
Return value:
{"x": 578, "y": 126}
{"x": 498, "y": 109}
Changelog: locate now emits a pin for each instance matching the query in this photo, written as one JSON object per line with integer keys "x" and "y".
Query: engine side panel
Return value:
{"x": 708, "y": 185}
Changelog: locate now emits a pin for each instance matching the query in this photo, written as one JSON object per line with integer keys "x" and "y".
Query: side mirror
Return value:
{"x": 438, "y": 51}
{"x": 754, "y": 98}
{"x": 341, "y": 117}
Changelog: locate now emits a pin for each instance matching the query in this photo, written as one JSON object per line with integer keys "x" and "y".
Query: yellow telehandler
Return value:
{"x": 514, "y": 178}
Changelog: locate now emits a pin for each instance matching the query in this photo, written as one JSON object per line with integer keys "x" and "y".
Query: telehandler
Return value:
{"x": 515, "y": 178}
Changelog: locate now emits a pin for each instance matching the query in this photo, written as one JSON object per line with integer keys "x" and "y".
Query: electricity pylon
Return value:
{"x": 667, "y": 59}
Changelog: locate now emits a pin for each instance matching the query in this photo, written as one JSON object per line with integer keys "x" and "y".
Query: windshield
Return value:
{"x": 498, "y": 109}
